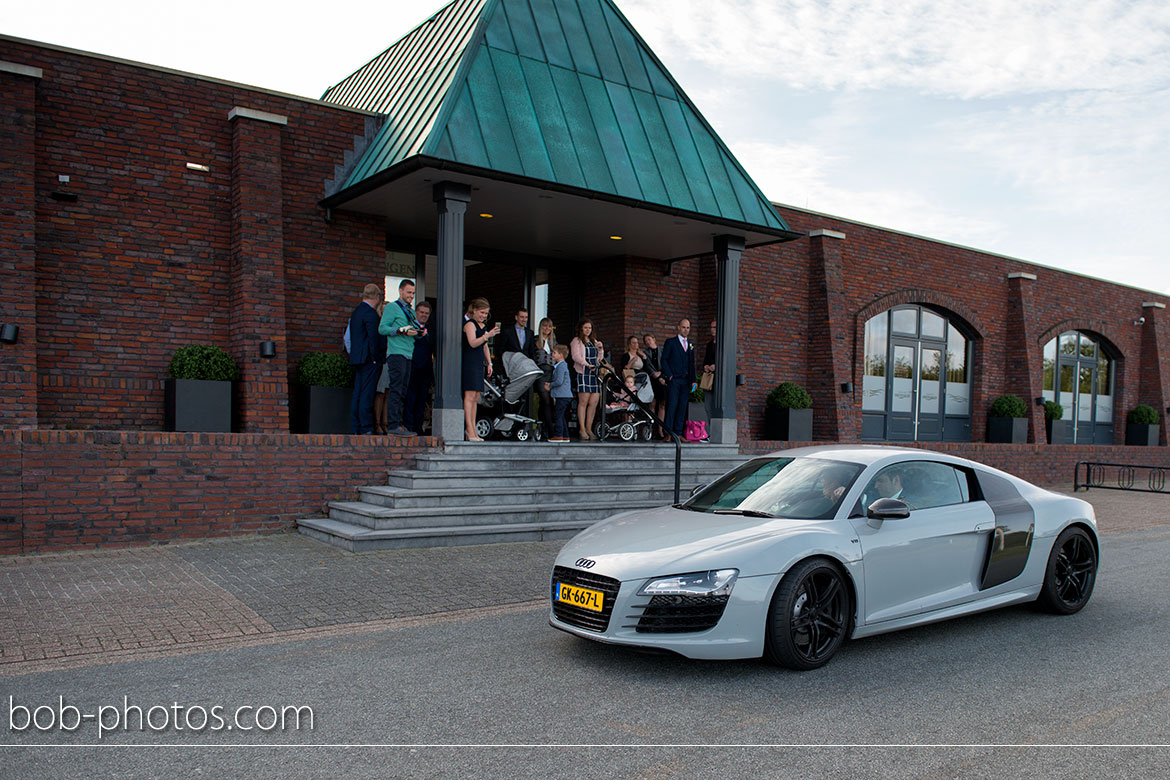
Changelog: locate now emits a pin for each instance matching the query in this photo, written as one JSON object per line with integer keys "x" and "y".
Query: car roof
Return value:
{"x": 866, "y": 454}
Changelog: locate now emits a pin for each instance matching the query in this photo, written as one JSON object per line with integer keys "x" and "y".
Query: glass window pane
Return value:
{"x": 1085, "y": 395}
{"x": 903, "y": 379}
{"x": 958, "y": 389}
{"x": 1104, "y": 390}
{"x": 905, "y": 321}
{"x": 1088, "y": 347}
{"x": 1068, "y": 343}
{"x": 873, "y": 380}
{"x": 921, "y": 484}
{"x": 1049, "y": 369}
{"x": 930, "y": 372}
{"x": 933, "y": 326}
{"x": 1067, "y": 398}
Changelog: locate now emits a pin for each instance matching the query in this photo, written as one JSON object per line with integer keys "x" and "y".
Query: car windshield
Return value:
{"x": 800, "y": 488}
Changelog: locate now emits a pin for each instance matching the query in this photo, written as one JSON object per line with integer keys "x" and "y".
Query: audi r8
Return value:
{"x": 788, "y": 555}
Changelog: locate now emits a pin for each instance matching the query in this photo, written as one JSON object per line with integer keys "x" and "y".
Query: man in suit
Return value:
{"x": 678, "y": 366}
{"x": 422, "y": 371}
{"x": 518, "y": 338}
{"x": 367, "y": 353}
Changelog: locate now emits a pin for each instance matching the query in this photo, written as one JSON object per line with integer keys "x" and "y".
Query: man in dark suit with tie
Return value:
{"x": 678, "y": 366}
{"x": 518, "y": 338}
{"x": 422, "y": 371}
{"x": 367, "y": 353}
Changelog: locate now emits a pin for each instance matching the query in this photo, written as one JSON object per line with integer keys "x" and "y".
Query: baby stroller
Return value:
{"x": 500, "y": 402}
{"x": 629, "y": 422}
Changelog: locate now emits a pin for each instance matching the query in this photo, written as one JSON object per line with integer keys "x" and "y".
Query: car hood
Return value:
{"x": 655, "y": 542}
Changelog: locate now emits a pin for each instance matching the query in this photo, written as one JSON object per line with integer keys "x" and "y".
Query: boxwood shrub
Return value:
{"x": 1008, "y": 405}
{"x": 203, "y": 361}
{"x": 788, "y": 395}
{"x": 325, "y": 369}
{"x": 1143, "y": 414}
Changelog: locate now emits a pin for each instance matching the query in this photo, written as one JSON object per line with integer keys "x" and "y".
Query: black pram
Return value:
{"x": 500, "y": 402}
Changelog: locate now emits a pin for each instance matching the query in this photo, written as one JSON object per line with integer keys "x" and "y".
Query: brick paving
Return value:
{"x": 63, "y": 610}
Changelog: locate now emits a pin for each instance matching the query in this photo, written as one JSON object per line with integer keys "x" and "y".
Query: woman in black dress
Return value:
{"x": 475, "y": 360}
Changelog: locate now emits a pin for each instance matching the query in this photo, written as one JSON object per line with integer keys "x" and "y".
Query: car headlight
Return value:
{"x": 699, "y": 583}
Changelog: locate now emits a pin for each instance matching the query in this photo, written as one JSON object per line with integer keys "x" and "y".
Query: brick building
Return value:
{"x": 143, "y": 209}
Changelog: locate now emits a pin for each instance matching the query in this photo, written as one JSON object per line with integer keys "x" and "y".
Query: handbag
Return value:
{"x": 707, "y": 382}
{"x": 696, "y": 430}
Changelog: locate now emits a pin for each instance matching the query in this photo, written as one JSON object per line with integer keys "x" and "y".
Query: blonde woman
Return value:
{"x": 476, "y": 360}
{"x": 546, "y": 339}
{"x": 586, "y": 351}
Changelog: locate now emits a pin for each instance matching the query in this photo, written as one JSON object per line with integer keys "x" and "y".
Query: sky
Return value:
{"x": 1037, "y": 129}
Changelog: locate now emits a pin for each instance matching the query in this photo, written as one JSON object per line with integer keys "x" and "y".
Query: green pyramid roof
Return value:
{"x": 562, "y": 91}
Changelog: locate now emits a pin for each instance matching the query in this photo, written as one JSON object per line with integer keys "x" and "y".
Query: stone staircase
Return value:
{"x": 473, "y": 493}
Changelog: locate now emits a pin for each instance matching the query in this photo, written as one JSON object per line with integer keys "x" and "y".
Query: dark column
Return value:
{"x": 727, "y": 253}
{"x": 1154, "y": 383}
{"x": 836, "y": 414}
{"x": 1023, "y": 360}
{"x": 451, "y": 199}
{"x": 257, "y": 281}
{"x": 18, "y": 257}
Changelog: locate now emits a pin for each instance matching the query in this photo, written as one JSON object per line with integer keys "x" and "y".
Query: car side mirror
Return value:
{"x": 886, "y": 509}
{"x": 696, "y": 489}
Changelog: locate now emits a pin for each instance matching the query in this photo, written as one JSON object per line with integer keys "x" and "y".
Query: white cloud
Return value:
{"x": 943, "y": 47}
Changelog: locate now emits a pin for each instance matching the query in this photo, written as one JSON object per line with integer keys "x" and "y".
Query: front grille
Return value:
{"x": 579, "y": 616}
{"x": 679, "y": 614}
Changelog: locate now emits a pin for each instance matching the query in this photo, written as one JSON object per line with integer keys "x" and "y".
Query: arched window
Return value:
{"x": 1078, "y": 375}
{"x": 916, "y": 381}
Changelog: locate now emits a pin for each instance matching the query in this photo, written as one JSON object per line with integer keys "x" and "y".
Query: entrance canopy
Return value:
{"x": 567, "y": 128}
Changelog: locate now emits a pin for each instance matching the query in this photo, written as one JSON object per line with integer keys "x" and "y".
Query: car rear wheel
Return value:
{"x": 809, "y": 616}
{"x": 1071, "y": 573}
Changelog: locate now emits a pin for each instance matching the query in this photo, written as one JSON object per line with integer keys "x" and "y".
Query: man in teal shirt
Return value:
{"x": 400, "y": 328}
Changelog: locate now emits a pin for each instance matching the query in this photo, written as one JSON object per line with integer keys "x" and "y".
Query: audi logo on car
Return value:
{"x": 585, "y": 563}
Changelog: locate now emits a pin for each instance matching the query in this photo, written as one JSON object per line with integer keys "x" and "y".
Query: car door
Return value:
{"x": 932, "y": 559}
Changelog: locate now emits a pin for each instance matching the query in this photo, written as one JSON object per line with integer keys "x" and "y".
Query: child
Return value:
{"x": 621, "y": 400}
{"x": 558, "y": 390}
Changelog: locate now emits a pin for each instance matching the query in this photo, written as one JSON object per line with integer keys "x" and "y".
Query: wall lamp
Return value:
{"x": 1039, "y": 400}
{"x": 9, "y": 333}
{"x": 740, "y": 380}
{"x": 846, "y": 387}
{"x": 267, "y": 349}
{"x": 1140, "y": 321}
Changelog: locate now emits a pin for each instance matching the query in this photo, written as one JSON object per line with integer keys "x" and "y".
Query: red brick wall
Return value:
{"x": 82, "y": 489}
{"x": 139, "y": 265}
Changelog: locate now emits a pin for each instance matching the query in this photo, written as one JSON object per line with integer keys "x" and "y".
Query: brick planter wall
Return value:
{"x": 65, "y": 490}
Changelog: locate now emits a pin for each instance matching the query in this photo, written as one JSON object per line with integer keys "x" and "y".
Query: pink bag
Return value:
{"x": 696, "y": 430}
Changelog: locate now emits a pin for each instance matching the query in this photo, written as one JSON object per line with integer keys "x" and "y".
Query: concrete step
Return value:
{"x": 357, "y": 538}
{"x": 540, "y": 459}
{"x": 617, "y": 449}
{"x": 384, "y": 518}
{"x": 558, "y": 475}
{"x": 435, "y": 498}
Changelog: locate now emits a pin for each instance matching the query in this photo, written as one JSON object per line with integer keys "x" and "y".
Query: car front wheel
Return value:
{"x": 1071, "y": 573}
{"x": 809, "y": 616}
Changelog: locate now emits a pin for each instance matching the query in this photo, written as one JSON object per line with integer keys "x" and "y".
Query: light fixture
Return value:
{"x": 198, "y": 167}
{"x": 1140, "y": 321}
{"x": 486, "y": 216}
{"x": 267, "y": 349}
{"x": 846, "y": 387}
{"x": 1039, "y": 400}
{"x": 615, "y": 238}
{"x": 9, "y": 333}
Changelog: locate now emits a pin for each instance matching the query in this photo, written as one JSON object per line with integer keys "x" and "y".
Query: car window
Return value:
{"x": 803, "y": 488}
{"x": 921, "y": 484}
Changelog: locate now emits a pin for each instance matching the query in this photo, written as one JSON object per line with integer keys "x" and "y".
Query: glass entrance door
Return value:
{"x": 901, "y": 419}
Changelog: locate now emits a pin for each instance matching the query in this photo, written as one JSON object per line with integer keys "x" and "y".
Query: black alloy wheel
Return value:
{"x": 810, "y": 616}
{"x": 1071, "y": 573}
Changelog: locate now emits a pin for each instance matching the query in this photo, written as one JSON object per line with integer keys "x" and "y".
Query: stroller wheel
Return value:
{"x": 483, "y": 428}
{"x": 647, "y": 432}
{"x": 626, "y": 431}
{"x": 600, "y": 430}
{"x": 523, "y": 434}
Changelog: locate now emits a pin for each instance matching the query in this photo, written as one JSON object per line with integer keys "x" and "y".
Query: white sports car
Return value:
{"x": 789, "y": 554}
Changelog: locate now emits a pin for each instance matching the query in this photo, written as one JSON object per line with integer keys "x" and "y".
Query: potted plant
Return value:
{"x": 788, "y": 413}
{"x": 1054, "y": 423}
{"x": 198, "y": 390}
{"x": 324, "y": 391}
{"x": 1007, "y": 420}
{"x": 1141, "y": 427}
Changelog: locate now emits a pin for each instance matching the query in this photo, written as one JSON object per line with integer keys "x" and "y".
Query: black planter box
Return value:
{"x": 1007, "y": 430}
{"x": 322, "y": 410}
{"x": 197, "y": 405}
{"x": 788, "y": 424}
{"x": 1141, "y": 435}
{"x": 1057, "y": 431}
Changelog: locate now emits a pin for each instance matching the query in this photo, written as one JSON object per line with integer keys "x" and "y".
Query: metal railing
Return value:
{"x": 1099, "y": 475}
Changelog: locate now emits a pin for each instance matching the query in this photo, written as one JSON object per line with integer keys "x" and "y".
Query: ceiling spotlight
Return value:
{"x": 615, "y": 238}
{"x": 486, "y": 216}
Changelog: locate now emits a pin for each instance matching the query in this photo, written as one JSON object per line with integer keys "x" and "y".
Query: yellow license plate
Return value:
{"x": 580, "y": 597}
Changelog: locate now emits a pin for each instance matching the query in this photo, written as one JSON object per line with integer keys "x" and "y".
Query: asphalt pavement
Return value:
{"x": 451, "y": 646}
